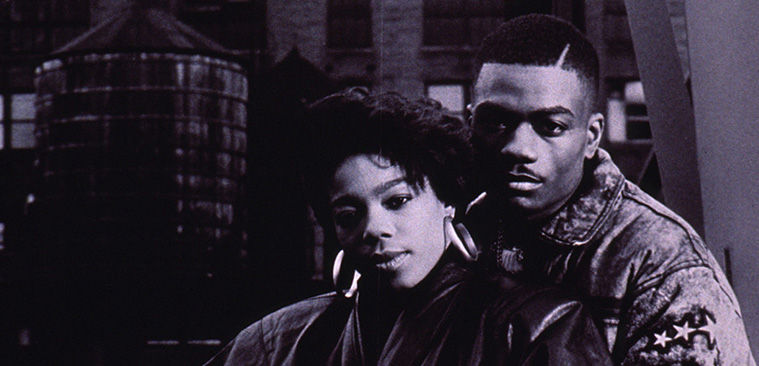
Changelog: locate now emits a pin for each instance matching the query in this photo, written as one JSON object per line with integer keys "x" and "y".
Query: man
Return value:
{"x": 555, "y": 206}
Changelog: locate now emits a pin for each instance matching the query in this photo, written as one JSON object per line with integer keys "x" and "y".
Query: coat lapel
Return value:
{"x": 418, "y": 334}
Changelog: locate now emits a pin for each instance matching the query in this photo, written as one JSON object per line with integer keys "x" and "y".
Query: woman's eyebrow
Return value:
{"x": 348, "y": 199}
{"x": 382, "y": 188}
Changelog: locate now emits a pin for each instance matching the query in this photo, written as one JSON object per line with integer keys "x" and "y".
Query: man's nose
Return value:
{"x": 378, "y": 225}
{"x": 521, "y": 143}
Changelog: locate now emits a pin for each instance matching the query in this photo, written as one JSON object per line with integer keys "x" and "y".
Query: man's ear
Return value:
{"x": 595, "y": 131}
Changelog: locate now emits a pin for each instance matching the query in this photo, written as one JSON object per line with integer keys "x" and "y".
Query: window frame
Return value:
{"x": 9, "y": 122}
{"x": 468, "y": 12}
{"x": 466, "y": 89}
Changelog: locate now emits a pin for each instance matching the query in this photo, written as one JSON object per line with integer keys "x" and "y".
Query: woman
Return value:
{"x": 386, "y": 176}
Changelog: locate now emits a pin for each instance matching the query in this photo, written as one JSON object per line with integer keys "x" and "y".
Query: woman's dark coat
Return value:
{"x": 456, "y": 316}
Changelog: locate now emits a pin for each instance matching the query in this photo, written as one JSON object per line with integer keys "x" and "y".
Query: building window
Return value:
{"x": 20, "y": 110}
{"x": 452, "y": 96}
{"x": 638, "y": 126}
{"x": 349, "y": 23}
{"x": 41, "y": 26}
{"x": 627, "y": 115}
{"x": 467, "y": 22}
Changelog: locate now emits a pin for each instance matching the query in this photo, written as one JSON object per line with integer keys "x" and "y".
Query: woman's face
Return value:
{"x": 384, "y": 224}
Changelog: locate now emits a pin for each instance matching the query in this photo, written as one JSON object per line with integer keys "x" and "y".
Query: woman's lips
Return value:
{"x": 389, "y": 261}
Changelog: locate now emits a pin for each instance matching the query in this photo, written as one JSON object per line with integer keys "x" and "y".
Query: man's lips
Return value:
{"x": 523, "y": 181}
{"x": 389, "y": 260}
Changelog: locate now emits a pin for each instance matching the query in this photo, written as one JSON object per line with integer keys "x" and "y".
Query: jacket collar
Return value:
{"x": 580, "y": 219}
{"x": 447, "y": 273}
{"x": 423, "y": 315}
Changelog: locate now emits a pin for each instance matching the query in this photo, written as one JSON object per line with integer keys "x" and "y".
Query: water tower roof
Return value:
{"x": 139, "y": 27}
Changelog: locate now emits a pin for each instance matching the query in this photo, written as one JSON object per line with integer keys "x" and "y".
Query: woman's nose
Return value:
{"x": 378, "y": 224}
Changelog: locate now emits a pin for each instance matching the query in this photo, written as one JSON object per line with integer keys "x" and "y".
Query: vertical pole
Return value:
{"x": 397, "y": 28}
{"x": 669, "y": 107}
{"x": 724, "y": 54}
{"x": 7, "y": 121}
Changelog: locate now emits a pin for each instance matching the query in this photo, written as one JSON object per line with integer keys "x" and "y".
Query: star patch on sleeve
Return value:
{"x": 684, "y": 331}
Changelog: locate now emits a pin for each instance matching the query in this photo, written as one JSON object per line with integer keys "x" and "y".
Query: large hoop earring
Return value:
{"x": 460, "y": 238}
{"x": 338, "y": 276}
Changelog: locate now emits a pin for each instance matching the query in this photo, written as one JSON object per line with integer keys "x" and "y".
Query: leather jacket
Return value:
{"x": 456, "y": 316}
{"x": 655, "y": 291}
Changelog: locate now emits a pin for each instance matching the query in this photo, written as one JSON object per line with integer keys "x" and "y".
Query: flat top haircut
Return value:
{"x": 418, "y": 136}
{"x": 541, "y": 40}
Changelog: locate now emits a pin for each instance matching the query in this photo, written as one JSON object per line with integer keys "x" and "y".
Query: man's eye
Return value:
{"x": 347, "y": 218}
{"x": 494, "y": 124}
{"x": 550, "y": 127}
{"x": 488, "y": 122}
{"x": 396, "y": 202}
{"x": 495, "y": 119}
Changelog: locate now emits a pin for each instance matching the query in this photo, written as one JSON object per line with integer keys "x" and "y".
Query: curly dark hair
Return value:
{"x": 420, "y": 137}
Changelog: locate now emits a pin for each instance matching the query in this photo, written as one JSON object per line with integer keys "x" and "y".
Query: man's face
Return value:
{"x": 532, "y": 131}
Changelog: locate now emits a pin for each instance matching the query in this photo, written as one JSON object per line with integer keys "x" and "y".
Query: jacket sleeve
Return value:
{"x": 247, "y": 349}
{"x": 688, "y": 317}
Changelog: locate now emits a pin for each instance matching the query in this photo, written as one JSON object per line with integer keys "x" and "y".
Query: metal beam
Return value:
{"x": 724, "y": 49}
{"x": 669, "y": 108}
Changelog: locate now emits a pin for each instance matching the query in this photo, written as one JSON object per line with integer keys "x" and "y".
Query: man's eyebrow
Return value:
{"x": 550, "y": 111}
{"x": 542, "y": 112}
{"x": 487, "y": 104}
{"x": 490, "y": 107}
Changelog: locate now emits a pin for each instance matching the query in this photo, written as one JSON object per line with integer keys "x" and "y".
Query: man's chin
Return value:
{"x": 521, "y": 204}
{"x": 517, "y": 203}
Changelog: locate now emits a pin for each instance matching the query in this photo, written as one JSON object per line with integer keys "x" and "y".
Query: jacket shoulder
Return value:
{"x": 293, "y": 317}
{"x": 645, "y": 231}
{"x": 650, "y": 210}
{"x": 258, "y": 343}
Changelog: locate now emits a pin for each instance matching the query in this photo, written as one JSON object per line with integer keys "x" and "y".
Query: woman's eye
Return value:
{"x": 346, "y": 218}
{"x": 396, "y": 202}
